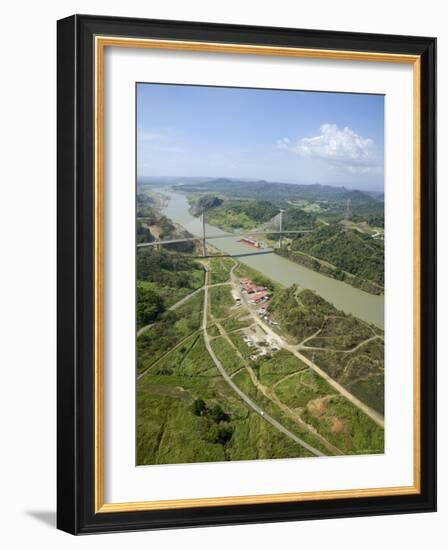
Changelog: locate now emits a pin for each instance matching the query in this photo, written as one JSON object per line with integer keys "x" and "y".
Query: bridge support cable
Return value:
{"x": 261, "y": 230}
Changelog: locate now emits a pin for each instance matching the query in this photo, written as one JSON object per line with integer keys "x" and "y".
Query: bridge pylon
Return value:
{"x": 280, "y": 224}
{"x": 204, "y": 243}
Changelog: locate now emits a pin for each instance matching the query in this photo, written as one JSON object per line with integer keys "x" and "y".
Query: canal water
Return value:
{"x": 363, "y": 305}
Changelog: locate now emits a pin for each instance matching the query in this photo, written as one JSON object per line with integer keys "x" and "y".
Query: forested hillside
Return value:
{"x": 329, "y": 202}
{"x": 151, "y": 222}
{"x": 162, "y": 279}
{"x": 349, "y": 250}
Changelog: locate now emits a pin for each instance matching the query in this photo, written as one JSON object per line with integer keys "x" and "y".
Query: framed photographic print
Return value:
{"x": 246, "y": 274}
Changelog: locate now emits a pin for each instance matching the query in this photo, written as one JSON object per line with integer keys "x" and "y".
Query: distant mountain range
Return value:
{"x": 162, "y": 181}
{"x": 378, "y": 195}
{"x": 264, "y": 190}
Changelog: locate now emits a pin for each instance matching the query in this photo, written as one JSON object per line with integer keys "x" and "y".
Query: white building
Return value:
{"x": 235, "y": 296}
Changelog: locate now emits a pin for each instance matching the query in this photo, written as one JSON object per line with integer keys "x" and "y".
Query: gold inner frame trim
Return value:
{"x": 101, "y": 42}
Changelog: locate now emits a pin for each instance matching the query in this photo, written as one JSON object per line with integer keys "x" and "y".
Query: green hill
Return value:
{"x": 349, "y": 350}
{"x": 348, "y": 250}
{"x": 233, "y": 214}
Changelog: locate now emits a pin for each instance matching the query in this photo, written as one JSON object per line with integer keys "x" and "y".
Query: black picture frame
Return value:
{"x": 76, "y": 265}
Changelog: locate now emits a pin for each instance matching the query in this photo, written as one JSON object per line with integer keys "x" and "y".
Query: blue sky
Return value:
{"x": 284, "y": 136}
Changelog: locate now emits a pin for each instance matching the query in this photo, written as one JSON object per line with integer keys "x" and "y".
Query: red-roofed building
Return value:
{"x": 250, "y": 287}
{"x": 259, "y": 296}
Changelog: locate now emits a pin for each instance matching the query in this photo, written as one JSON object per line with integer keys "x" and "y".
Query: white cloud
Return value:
{"x": 342, "y": 148}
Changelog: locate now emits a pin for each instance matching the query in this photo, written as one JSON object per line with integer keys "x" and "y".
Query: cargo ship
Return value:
{"x": 250, "y": 242}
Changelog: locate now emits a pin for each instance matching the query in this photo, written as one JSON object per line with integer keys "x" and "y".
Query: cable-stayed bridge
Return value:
{"x": 274, "y": 226}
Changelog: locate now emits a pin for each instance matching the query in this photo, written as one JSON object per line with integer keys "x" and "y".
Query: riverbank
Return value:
{"x": 330, "y": 270}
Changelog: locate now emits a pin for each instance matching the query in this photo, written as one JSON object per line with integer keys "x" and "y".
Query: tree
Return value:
{"x": 143, "y": 234}
{"x": 207, "y": 202}
{"x": 213, "y": 434}
{"x": 221, "y": 433}
{"x": 225, "y": 433}
{"x": 149, "y": 305}
{"x": 218, "y": 415}
{"x": 199, "y": 407}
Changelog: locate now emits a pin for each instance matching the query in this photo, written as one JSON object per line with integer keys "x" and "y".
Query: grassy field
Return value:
{"x": 298, "y": 390}
{"x": 189, "y": 359}
{"x": 271, "y": 370}
{"x": 237, "y": 323}
{"x": 345, "y": 426}
{"x": 169, "y": 431}
{"x": 220, "y": 270}
{"x": 168, "y": 332}
{"x": 226, "y": 354}
{"x": 343, "y": 333}
{"x": 220, "y": 301}
{"x": 361, "y": 372}
{"x": 213, "y": 331}
{"x": 349, "y": 350}
{"x": 240, "y": 344}
{"x": 243, "y": 381}
{"x": 309, "y": 396}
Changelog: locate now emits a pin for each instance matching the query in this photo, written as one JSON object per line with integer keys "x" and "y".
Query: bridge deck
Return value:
{"x": 209, "y": 237}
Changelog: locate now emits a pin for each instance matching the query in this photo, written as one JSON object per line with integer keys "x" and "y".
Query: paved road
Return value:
{"x": 185, "y": 299}
{"x": 237, "y": 390}
{"x": 225, "y": 236}
{"x": 144, "y": 329}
